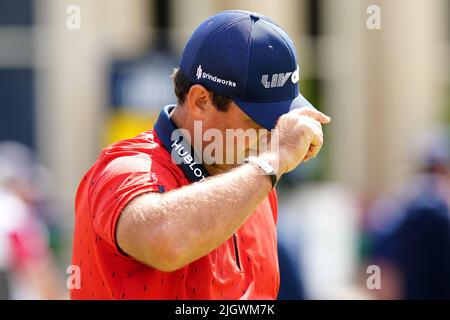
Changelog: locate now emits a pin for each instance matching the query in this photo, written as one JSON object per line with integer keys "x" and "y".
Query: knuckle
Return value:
{"x": 305, "y": 128}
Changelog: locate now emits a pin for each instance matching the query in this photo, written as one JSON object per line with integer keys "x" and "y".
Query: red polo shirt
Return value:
{"x": 243, "y": 267}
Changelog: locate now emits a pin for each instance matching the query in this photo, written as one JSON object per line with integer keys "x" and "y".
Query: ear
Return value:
{"x": 199, "y": 101}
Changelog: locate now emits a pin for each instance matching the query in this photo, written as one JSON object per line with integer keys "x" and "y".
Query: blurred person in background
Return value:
{"x": 411, "y": 232}
{"x": 27, "y": 267}
{"x": 292, "y": 286}
{"x": 291, "y": 279}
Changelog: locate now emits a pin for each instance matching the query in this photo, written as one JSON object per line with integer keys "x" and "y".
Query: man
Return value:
{"x": 154, "y": 222}
{"x": 28, "y": 268}
{"x": 410, "y": 230}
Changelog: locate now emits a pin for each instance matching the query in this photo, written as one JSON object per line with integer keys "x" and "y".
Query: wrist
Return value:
{"x": 274, "y": 161}
{"x": 266, "y": 165}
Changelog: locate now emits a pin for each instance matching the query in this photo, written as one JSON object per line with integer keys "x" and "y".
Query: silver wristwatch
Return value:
{"x": 265, "y": 166}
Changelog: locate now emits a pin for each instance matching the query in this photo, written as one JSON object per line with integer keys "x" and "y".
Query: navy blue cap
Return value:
{"x": 247, "y": 57}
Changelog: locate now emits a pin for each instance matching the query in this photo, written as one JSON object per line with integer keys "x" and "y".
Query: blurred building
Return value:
{"x": 67, "y": 92}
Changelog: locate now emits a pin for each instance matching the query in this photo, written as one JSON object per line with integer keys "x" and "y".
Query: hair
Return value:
{"x": 182, "y": 85}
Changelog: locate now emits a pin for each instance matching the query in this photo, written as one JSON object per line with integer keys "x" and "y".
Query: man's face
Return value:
{"x": 225, "y": 137}
{"x": 239, "y": 136}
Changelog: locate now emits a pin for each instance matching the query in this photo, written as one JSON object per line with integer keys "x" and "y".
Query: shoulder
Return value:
{"x": 139, "y": 158}
{"x": 140, "y": 153}
{"x": 146, "y": 145}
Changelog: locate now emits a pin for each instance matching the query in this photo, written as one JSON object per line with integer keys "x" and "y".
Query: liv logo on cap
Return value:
{"x": 248, "y": 58}
{"x": 279, "y": 79}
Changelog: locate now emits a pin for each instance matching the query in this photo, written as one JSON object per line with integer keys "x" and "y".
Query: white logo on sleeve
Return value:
{"x": 201, "y": 74}
{"x": 279, "y": 79}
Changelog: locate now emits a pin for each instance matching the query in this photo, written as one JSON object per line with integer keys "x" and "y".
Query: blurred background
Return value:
{"x": 367, "y": 219}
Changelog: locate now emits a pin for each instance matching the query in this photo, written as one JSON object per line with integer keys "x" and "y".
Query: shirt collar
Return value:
{"x": 178, "y": 146}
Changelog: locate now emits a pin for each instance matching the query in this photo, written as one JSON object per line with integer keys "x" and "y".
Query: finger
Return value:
{"x": 314, "y": 124}
{"x": 315, "y": 114}
{"x": 312, "y": 153}
{"x": 316, "y": 144}
{"x": 314, "y": 150}
{"x": 307, "y": 157}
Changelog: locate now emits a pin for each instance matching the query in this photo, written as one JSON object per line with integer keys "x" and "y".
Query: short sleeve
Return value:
{"x": 119, "y": 180}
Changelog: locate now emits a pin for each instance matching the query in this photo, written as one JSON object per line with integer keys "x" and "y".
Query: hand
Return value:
{"x": 300, "y": 138}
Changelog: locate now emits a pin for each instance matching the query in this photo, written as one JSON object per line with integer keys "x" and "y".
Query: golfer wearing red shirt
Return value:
{"x": 154, "y": 221}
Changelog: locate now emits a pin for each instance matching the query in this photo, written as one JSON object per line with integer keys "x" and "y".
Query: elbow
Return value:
{"x": 167, "y": 266}
{"x": 169, "y": 252}
{"x": 155, "y": 244}
{"x": 167, "y": 262}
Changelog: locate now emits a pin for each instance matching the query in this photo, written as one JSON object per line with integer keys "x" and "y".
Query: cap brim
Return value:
{"x": 267, "y": 114}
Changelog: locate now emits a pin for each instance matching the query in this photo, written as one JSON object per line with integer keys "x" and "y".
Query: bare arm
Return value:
{"x": 168, "y": 231}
